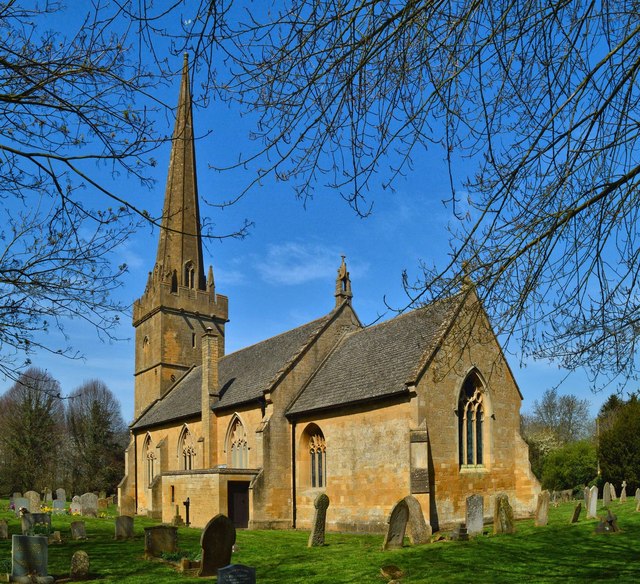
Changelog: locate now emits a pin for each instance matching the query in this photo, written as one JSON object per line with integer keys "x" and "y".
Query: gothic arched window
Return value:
{"x": 313, "y": 457}
{"x": 471, "y": 412}
{"x": 237, "y": 447}
{"x": 186, "y": 450}
{"x": 149, "y": 459}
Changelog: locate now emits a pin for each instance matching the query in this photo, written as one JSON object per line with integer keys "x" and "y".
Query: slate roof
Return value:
{"x": 243, "y": 376}
{"x": 378, "y": 361}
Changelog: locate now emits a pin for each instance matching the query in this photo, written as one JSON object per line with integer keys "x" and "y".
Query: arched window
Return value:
{"x": 186, "y": 450}
{"x": 471, "y": 412}
{"x": 237, "y": 447}
{"x": 313, "y": 457}
{"x": 149, "y": 459}
{"x": 189, "y": 275}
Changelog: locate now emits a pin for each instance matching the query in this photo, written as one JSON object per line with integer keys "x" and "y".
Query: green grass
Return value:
{"x": 558, "y": 553}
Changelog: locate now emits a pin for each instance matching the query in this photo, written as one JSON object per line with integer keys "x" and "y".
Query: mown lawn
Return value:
{"x": 557, "y": 553}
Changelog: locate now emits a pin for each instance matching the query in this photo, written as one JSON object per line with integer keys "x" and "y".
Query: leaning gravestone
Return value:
{"x": 316, "y": 537}
{"x": 61, "y": 494}
{"x": 503, "y": 515}
{"x": 124, "y": 527}
{"x": 474, "y": 515}
{"x": 606, "y": 495}
{"x": 34, "y": 501}
{"x": 613, "y": 492}
{"x": 623, "y": 492}
{"x": 160, "y": 539}
{"x": 30, "y": 559}
{"x": 21, "y": 503}
{"x": 542, "y": 509}
{"x": 419, "y": 530}
{"x": 236, "y": 574}
{"x": 59, "y": 507}
{"x": 576, "y": 513}
{"x": 127, "y": 505}
{"x": 398, "y": 519}
{"x": 216, "y": 541}
{"x": 89, "y": 504}
{"x": 79, "y": 566}
{"x": 78, "y": 530}
{"x": 592, "y": 510}
{"x": 4, "y": 529}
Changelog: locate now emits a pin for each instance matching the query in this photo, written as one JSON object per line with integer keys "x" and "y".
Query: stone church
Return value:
{"x": 422, "y": 404}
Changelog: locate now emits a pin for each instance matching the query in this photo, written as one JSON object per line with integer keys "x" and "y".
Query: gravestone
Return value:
{"x": 177, "y": 518}
{"x": 637, "y": 495}
{"x": 76, "y": 506}
{"x": 30, "y": 559}
{"x": 316, "y": 537}
{"x": 460, "y": 533}
{"x": 103, "y": 504}
{"x": 503, "y": 515}
{"x": 124, "y": 527}
{"x": 592, "y": 510}
{"x": 34, "y": 501}
{"x": 4, "y": 529}
{"x": 21, "y": 503}
{"x": 419, "y": 530}
{"x": 127, "y": 505}
{"x": 59, "y": 507}
{"x": 576, "y": 513}
{"x": 606, "y": 495}
{"x": 474, "y": 515}
{"x": 79, "y": 566}
{"x": 48, "y": 497}
{"x": 78, "y": 530}
{"x": 236, "y": 574}
{"x": 32, "y": 520}
{"x": 623, "y": 492}
{"x": 608, "y": 524}
{"x": 61, "y": 494}
{"x": 613, "y": 492}
{"x": 585, "y": 495}
{"x": 16, "y": 495}
{"x": 397, "y": 521}
{"x": 216, "y": 541}
{"x": 89, "y": 504}
{"x": 159, "y": 539}
{"x": 102, "y": 495}
{"x": 542, "y": 509}
{"x": 55, "y": 537}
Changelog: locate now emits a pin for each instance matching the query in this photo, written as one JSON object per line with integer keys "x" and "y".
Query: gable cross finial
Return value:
{"x": 343, "y": 284}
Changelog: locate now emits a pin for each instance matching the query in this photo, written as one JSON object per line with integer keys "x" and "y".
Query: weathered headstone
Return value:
{"x": 4, "y": 529}
{"x": 76, "y": 506}
{"x": 592, "y": 510}
{"x": 608, "y": 524}
{"x": 103, "y": 504}
{"x": 61, "y": 494}
{"x": 419, "y": 530}
{"x": 316, "y": 537}
{"x": 542, "y": 509}
{"x": 21, "y": 503}
{"x": 30, "y": 558}
{"x": 216, "y": 541}
{"x": 124, "y": 527}
{"x": 127, "y": 505}
{"x": 503, "y": 515}
{"x": 48, "y": 496}
{"x": 613, "y": 492}
{"x": 34, "y": 501}
{"x": 585, "y": 496}
{"x": 55, "y": 537}
{"x": 30, "y": 521}
{"x": 78, "y": 530}
{"x": 236, "y": 574}
{"x": 623, "y": 492}
{"x": 398, "y": 519}
{"x": 89, "y": 503}
{"x": 576, "y": 513}
{"x": 160, "y": 539}
{"x": 460, "y": 533}
{"x": 79, "y": 566}
{"x": 102, "y": 495}
{"x": 59, "y": 507}
{"x": 177, "y": 518}
{"x": 606, "y": 495}
{"x": 637, "y": 495}
{"x": 474, "y": 514}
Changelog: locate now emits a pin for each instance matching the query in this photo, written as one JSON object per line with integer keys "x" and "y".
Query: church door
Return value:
{"x": 238, "y": 502}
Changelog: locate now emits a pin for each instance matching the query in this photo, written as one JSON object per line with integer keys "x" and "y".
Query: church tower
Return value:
{"x": 179, "y": 304}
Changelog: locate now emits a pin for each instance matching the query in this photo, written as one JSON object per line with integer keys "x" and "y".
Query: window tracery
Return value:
{"x": 237, "y": 445}
{"x": 471, "y": 415}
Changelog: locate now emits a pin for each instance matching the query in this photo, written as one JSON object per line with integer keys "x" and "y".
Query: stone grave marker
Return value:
{"x": 127, "y": 505}
{"x": 503, "y": 515}
{"x": 4, "y": 529}
{"x": 606, "y": 495}
{"x": 59, "y": 507}
{"x": 614, "y": 497}
{"x": 474, "y": 515}
{"x": 16, "y": 495}
{"x": 102, "y": 495}
{"x": 609, "y": 524}
{"x": 637, "y": 495}
{"x": 31, "y": 520}
{"x": 55, "y": 537}
{"x": 398, "y": 519}
{"x": 61, "y": 494}
{"x": 623, "y": 492}
{"x": 34, "y": 501}
{"x": 236, "y": 574}
{"x": 216, "y": 541}
{"x": 48, "y": 496}
{"x": 592, "y": 510}
{"x": 76, "y": 506}
{"x": 419, "y": 530}
{"x": 89, "y": 504}
{"x": 316, "y": 537}
{"x": 542, "y": 509}
{"x": 585, "y": 495}
{"x": 78, "y": 530}
{"x": 160, "y": 539}
{"x": 576, "y": 513}
{"x": 103, "y": 504}
{"x": 21, "y": 503}
{"x": 30, "y": 558}
{"x": 124, "y": 527}
{"x": 79, "y": 566}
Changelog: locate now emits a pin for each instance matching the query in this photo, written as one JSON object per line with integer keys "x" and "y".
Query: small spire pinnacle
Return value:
{"x": 343, "y": 284}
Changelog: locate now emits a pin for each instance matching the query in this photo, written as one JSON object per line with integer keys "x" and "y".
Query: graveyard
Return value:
{"x": 557, "y": 551}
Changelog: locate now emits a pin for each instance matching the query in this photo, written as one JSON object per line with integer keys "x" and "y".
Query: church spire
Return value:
{"x": 343, "y": 285}
{"x": 179, "y": 258}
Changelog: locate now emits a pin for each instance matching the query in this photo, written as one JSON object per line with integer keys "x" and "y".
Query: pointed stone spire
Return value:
{"x": 343, "y": 285}
{"x": 179, "y": 256}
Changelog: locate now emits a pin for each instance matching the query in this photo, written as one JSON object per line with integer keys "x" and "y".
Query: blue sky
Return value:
{"x": 283, "y": 274}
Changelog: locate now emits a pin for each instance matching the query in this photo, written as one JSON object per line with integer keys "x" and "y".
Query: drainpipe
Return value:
{"x": 135, "y": 468}
{"x": 293, "y": 474}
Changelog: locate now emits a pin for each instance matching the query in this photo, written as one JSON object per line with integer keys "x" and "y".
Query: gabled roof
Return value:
{"x": 244, "y": 376}
{"x": 378, "y": 361}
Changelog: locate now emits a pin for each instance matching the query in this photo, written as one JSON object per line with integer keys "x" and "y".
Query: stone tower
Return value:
{"x": 178, "y": 304}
